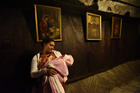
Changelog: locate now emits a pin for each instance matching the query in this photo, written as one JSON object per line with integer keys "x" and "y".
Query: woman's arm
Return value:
{"x": 35, "y": 72}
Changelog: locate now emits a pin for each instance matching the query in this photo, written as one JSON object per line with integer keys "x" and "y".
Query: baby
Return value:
{"x": 60, "y": 65}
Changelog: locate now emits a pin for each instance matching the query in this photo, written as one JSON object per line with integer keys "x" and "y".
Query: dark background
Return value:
{"x": 18, "y": 43}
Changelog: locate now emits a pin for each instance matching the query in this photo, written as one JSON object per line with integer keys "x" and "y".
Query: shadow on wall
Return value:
{"x": 22, "y": 74}
{"x": 20, "y": 80}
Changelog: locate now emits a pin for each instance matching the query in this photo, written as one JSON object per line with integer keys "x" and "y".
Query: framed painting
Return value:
{"x": 116, "y": 27}
{"x": 93, "y": 29}
{"x": 48, "y": 22}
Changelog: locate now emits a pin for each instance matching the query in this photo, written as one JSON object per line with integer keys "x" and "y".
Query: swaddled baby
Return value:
{"x": 60, "y": 65}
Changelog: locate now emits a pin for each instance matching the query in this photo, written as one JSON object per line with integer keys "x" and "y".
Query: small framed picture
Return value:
{"x": 116, "y": 27}
{"x": 48, "y": 22}
{"x": 93, "y": 28}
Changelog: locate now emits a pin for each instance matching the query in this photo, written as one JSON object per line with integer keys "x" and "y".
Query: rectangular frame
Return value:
{"x": 53, "y": 26}
{"x": 93, "y": 29}
{"x": 116, "y": 27}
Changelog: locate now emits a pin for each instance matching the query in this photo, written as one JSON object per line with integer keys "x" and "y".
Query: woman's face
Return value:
{"x": 46, "y": 19}
{"x": 49, "y": 47}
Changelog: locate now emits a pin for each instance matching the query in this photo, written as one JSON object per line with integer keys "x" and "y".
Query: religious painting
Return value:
{"x": 48, "y": 22}
{"x": 116, "y": 27}
{"x": 93, "y": 29}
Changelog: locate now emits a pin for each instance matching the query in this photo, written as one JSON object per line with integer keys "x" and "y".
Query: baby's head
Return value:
{"x": 68, "y": 59}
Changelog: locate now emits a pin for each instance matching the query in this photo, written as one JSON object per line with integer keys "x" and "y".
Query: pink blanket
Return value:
{"x": 60, "y": 64}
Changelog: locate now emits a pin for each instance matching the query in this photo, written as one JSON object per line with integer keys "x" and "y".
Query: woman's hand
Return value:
{"x": 51, "y": 71}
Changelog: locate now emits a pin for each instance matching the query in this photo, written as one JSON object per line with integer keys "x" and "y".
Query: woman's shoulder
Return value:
{"x": 36, "y": 56}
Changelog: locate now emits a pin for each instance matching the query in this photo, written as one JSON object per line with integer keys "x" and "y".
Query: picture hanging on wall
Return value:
{"x": 116, "y": 27}
{"x": 93, "y": 29}
{"x": 48, "y": 22}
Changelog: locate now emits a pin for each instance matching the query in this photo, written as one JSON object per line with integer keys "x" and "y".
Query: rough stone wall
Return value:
{"x": 120, "y": 7}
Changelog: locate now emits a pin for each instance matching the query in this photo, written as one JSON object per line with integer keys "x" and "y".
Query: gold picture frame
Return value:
{"x": 48, "y": 22}
{"x": 116, "y": 27}
{"x": 93, "y": 26}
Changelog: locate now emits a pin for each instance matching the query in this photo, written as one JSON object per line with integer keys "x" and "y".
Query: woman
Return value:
{"x": 44, "y": 29}
{"x": 37, "y": 71}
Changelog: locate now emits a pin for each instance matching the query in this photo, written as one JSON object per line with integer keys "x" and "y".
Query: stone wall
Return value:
{"x": 121, "y": 7}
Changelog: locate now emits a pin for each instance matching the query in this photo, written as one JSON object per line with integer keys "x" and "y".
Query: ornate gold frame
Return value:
{"x": 36, "y": 21}
{"x": 87, "y": 13}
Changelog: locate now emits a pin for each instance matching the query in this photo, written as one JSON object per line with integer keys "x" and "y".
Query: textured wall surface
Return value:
{"x": 124, "y": 78}
{"x": 120, "y": 7}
